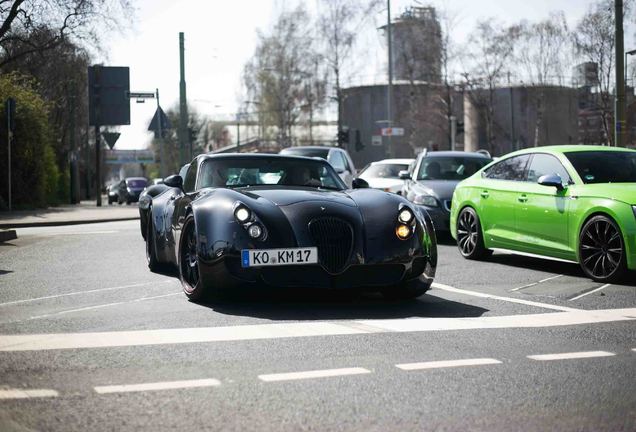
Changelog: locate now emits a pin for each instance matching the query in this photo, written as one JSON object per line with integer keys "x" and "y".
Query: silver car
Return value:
{"x": 385, "y": 174}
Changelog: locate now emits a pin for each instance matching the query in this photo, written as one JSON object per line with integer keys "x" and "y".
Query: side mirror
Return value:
{"x": 359, "y": 183}
{"x": 404, "y": 175}
{"x": 553, "y": 180}
{"x": 174, "y": 181}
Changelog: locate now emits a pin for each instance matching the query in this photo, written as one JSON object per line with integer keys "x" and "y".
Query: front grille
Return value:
{"x": 334, "y": 239}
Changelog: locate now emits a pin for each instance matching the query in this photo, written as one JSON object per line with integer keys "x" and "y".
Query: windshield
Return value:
{"x": 384, "y": 170}
{"x": 450, "y": 167}
{"x": 243, "y": 172}
{"x": 136, "y": 183}
{"x": 307, "y": 152}
{"x": 604, "y": 166}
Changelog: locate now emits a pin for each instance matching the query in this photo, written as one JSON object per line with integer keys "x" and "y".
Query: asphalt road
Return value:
{"x": 91, "y": 340}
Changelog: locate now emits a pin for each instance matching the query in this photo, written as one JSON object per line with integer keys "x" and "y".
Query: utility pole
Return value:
{"x": 619, "y": 110}
{"x": 98, "y": 149}
{"x": 238, "y": 132}
{"x": 162, "y": 165}
{"x": 184, "y": 141}
{"x": 512, "y": 116}
{"x": 389, "y": 88}
{"x": 10, "y": 113}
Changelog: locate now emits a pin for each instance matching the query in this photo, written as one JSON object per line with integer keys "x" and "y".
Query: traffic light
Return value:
{"x": 343, "y": 137}
{"x": 359, "y": 145}
{"x": 460, "y": 127}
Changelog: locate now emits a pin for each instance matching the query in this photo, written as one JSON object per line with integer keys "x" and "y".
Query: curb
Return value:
{"x": 62, "y": 223}
{"x": 7, "y": 235}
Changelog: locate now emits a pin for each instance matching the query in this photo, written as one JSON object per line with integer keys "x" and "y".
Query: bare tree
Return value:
{"x": 339, "y": 23}
{"x": 543, "y": 55}
{"x": 489, "y": 52}
{"x": 280, "y": 77}
{"x": 22, "y": 24}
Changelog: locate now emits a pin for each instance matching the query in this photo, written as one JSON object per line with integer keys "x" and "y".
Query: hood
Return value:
{"x": 624, "y": 192}
{"x": 284, "y": 197}
{"x": 442, "y": 189}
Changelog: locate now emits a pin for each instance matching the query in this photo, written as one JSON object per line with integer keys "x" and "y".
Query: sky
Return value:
{"x": 221, "y": 35}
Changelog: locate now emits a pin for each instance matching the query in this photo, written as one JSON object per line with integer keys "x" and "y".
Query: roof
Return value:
{"x": 456, "y": 153}
{"x": 571, "y": 148}
{"x": 393, "y": 161}
{"x": 311, "y": 147}
{"x": 258, "y": 156}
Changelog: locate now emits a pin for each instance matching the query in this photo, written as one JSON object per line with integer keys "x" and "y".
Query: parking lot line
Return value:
{"x": 590, "y": 292}
{"x": 535, "y": 283}
{"x": 74, "y": 293}
{"x": 447, "y": 364}
{"x": 571, "y": 356}
{"x": 165, "y": 385}
{"x": 26, "y": 393}
{"x": 325, "y": 373}
{"x": 507, "y": 299}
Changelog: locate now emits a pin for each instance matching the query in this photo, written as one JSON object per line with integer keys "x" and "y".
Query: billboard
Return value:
{"x": 120, "y": 157}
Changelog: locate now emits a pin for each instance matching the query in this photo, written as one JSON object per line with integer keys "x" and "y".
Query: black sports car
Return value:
{"x": 286, "y": 221}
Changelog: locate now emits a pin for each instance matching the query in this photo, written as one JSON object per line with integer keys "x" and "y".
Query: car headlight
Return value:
{"x": 242, "y": 214}
{"x": 406, "y": 215}
{"x": 426, "y": 200}
{"x": 144, "y": 202}
{"x": 255, "y": 231}
{"x": 403, "y": 232}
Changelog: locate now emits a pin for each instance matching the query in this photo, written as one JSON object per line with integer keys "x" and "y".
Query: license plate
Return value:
{"x": 277, "y": 257}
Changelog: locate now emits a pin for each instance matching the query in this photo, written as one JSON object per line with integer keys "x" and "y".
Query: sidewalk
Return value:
{"x": 85, "y": 212}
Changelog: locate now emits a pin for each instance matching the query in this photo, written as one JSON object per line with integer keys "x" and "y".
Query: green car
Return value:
{"x": 575, "y": 203}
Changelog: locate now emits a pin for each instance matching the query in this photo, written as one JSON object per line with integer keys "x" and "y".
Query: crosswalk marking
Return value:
{"x": 447, "y": 364}
{"x": 53, "y": 341}
{"x": 166, "y": 385}
{"x": 571, "y": 355}
{"x": 26, "y": 393}
{"x": 289, "y": 376}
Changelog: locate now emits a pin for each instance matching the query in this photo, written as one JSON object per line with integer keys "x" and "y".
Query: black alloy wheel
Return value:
{"x": 469, "y": 238}
{"x": 189, "y": 261}
{"x": 601, "y": 250}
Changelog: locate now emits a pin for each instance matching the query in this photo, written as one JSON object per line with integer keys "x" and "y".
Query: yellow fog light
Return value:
{"x": 403, "y": 232}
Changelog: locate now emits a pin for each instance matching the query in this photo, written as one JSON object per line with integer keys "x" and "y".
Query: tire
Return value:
{"x": 470, "y": 240}
{"x": 602, "y": 250}
{"x": 189, "y": 270}
{"x": 407, "y": 290}
{"x": 151, "y": 248}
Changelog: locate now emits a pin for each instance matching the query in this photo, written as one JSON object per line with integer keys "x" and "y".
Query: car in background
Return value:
{"x": 385, "y": 174}
{"x": 111, "y": 190}
{"x": 339, "y": 159}
{"x": 146, "y": 196}
{"x": 129, "y": 189}
{"x": 286, "y": 221}
{"x": 156, "y": 181}
{"x": 432, "y": 179}
{"x": 574, "y": 202}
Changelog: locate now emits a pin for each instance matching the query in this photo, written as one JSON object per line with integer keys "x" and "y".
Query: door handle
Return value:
{"x": 484, "y": 194}
{"x": 523, "y": 198}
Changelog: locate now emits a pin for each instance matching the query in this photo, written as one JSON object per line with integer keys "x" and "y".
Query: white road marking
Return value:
{"x": 572, "y": 355}
{"x": 100, "y": 306}
{"x": 83, "y": 292}
{"x": 51, "y": 341}
{"x": 26, "y": 393}
{"x": 166, "y": 385}
{"x": 536, "y": 283}
{"x": 590, "y": 292}
{"x": 507, "y": 299}
{"x": 447, "y": 364}
{"x": 77, "y": 233}
{"x": 289, "y": 376}
{"x": 634, "y": 349}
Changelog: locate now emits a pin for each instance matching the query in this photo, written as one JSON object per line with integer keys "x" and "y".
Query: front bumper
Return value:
{"x": 440, "y": 218}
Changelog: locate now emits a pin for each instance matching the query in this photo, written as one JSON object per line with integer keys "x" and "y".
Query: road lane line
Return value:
{"x": 26, "y": 393}
{"x": 590, "y": 292}
{"x": 325, "y": 373}
{"x": 83, "y": 292}
{"x": 536, "y": 283}
{"x": 570, "y": 356}
{"x": 166, "y": 385}
{"x": 447, "y": 364}
{"x": 53, "y": 341}
{"x": 634, "y": 349}
{"x": 507, "y": 299}
{"x": 100, "y": 306}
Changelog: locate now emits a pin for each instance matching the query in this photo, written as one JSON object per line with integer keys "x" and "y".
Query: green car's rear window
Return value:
{"x": 604, "y": 166}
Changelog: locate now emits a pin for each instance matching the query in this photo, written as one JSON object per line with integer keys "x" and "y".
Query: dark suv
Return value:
{"x": 128, "y": 189}
{"x": 431, "y": 180}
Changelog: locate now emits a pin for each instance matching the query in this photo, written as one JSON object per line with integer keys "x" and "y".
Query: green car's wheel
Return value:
{"x": 601, "y": 250}
{"x": 469, "y": 238}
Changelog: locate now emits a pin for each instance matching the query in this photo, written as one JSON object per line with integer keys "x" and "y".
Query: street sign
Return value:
{"x": 120, "y": 157}
{"x": 10, "y": 112}
{"x": 392, "y": 131}
{"x": 108, "y": 95}
{"x": 154, "y": 124}
{"x": 141, "y": 95}
{"x": 111, "y": 138}
{"x": 376, "y": 140}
